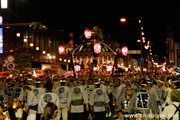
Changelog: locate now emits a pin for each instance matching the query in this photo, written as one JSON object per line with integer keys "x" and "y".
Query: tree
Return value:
{"x": 22, "y": 60}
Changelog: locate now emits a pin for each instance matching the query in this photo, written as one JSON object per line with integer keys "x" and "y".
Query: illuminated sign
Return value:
{"x": 124, "y": 51}
{"x": 69, "y": 73}
{"x": 87, "y": 33}
{"x": 1, "y": 36}
{"x": 61, "y": 50}
{"x": 97, "y": 48}
{"x": 4, "y": 4}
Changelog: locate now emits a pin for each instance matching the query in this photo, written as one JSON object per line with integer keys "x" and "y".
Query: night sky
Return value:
{"x": 75, "y": 16}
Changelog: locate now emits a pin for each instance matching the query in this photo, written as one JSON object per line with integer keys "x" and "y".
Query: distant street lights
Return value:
{"x": 123, "y": 19}
{"x": 18, "y": 34}
{"x": 37, "y": 48}
{"x": 25, "y": 40}
{"x": 31, "y": 44}
{"x": 44, "y": 52}
{"x": 142, "y": 39}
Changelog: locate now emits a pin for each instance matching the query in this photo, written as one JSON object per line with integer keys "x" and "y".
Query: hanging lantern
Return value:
{"x": 77, "y": 68}
{"x": 61, "y": 50}
{"x": 96, "y": 68}
{"x": 124, "y": 51}
{"x": 109, "y": 68}
{"x": 97, "y": 48}
{"x": 87, "y": 33}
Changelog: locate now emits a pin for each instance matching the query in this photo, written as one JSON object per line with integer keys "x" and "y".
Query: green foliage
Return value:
{"x": 22, "y": 60}
{"x": 96, "y": 33}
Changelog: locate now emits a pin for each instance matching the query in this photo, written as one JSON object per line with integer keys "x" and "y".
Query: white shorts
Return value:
{"x": 19, "y": 113}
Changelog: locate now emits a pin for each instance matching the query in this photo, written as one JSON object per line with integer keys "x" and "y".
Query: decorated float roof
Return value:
{"x": 87, "y": 49}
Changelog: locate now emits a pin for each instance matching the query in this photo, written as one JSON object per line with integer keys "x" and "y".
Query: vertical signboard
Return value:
{"x": 4, "y": 4}
{"x": 1, "y": 36}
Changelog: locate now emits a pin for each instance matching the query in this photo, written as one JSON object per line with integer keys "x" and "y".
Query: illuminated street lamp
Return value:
{"x": 60, "y": 59}
{"x": 37, "y": 48}
{"x": 50, "y": 57}
{"x": 123, "y": 19}
{"x": 142, "y": 33}
{"x": 48, "y": 54}
{"x": 54, "y": 57}
{"x": 44, "y": 52}
{"x": 18, "y": 34}
{"x": 138, "y": 41}
{"x": 25, "y": 40}
{"x": 31, "y": 44}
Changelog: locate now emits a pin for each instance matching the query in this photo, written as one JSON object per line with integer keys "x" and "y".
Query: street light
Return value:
{"x": 37, "y": 48}
{"x": 25, "y": 40}
{"x": 44, "y": 52}
{"x": 60, "y": 59}
{"x": 48, "y": 54}
{"x": 123, "y": 19}
{"x": 18, "y": 34}
{"x": 31, "y": 44}
{"x": 54, "y": 57}
{"x": 138, "y": 41}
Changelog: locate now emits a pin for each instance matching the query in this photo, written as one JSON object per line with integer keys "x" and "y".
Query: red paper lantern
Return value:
{"x": 87, "y": 33}
{"x": 96, "y": 68}
{"x": 109, "y": 68}
{"x": 77, "y": 68}
{"x": 124, "y": 51}
{"x": 61, "y": 50}
{"x": 97, "y": 48}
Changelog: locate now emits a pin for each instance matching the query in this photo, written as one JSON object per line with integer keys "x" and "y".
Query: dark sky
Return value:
{"x": 75, "y": 16}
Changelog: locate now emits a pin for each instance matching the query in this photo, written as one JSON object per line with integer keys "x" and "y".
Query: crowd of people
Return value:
{"x": 126, "y": 97}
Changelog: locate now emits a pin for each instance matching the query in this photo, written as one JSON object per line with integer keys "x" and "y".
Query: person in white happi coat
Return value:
{"x": 76, "y": 100}
{"x": 98, "y": 101}
{"x": 172, "y": 112}
{"x": 23, "y": 96}
{"x": 63, "y": 92}
{"x": 48, "y": 96}
{"x": 38, "y": 91}
{"x": 32, "y": 102}
{"x": 19, "y": 111}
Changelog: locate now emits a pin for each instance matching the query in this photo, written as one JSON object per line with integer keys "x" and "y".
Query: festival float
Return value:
{"x": 93, "y": 57}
